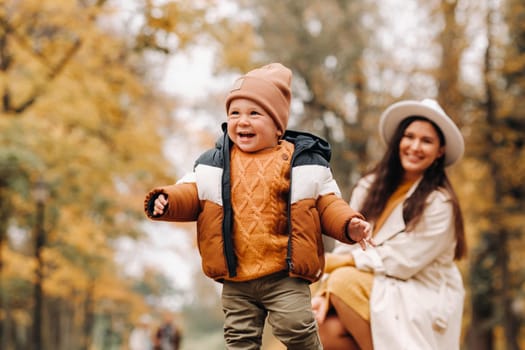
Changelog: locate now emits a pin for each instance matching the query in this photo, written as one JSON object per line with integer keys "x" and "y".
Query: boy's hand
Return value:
{"x": 361, "y": 232}
{"x": 160, "y": 205}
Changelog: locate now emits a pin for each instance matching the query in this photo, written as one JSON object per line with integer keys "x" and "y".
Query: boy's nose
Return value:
{"x": 243, "y": 119}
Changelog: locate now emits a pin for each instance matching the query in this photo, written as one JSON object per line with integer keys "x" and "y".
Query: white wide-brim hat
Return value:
{"x": 430, "y": 109}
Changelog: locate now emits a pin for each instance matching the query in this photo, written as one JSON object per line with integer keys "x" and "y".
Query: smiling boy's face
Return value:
{"x": 250, "y": 127}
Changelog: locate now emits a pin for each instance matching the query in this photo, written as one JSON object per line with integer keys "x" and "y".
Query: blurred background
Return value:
{"x": 101, "y": 100}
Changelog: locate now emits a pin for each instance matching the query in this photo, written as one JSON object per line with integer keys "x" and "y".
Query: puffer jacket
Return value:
{"x": 314, "y": 207}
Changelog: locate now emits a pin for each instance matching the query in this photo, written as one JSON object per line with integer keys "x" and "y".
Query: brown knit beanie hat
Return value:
{"x": 270, "y": 87}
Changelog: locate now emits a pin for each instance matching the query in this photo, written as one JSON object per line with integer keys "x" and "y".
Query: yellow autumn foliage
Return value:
{"x": 81, "y": 110}
{"x": 18, "y": 265}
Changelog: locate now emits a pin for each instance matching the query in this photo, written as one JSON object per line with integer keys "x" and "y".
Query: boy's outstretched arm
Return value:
{"x": 178, "y": 202}
{"x": 338, "y": 220}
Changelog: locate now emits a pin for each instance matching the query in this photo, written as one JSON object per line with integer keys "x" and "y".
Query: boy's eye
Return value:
{"x": 254, "y": 113}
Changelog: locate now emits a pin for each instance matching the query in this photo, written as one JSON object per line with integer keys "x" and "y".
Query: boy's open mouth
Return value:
{"x": 246, "y": 135}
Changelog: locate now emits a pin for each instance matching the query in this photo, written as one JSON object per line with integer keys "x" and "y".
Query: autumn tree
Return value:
{"x": 497, "y": 273}
{"x": 81, "y": 110}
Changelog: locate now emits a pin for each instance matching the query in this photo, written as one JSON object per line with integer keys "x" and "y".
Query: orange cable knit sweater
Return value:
{"x": 260, "y": 186}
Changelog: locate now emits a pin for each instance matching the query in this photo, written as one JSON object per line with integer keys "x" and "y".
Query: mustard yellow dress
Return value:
{"x": 351, "y": 285}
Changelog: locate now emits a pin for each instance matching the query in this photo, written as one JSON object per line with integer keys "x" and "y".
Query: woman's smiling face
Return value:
{"x": 250, "y": 127}
{"x": 419, "y": 148}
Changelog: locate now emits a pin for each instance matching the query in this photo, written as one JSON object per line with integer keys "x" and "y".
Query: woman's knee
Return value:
{"x": 334, "y": 335}
{"x": 332, "y": 327}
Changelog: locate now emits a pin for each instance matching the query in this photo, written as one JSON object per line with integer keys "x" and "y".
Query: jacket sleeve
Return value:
{"x": 183, "y": 202}
{"x": 335, "y": 215}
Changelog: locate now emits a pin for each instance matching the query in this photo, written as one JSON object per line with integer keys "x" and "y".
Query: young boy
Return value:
{"x": 262, "y": 199}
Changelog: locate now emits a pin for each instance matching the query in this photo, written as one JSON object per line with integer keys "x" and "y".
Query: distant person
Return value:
{"x": 140, "y": 337}
{"x": 168, "y": 336}
{"x": 262, "y": 199}
{"x": 406, "y": 292}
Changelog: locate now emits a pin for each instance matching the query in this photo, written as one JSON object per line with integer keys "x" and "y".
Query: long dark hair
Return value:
{"x": 389, "y": 174}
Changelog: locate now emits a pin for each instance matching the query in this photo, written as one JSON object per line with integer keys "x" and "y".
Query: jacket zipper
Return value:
{"x": 229, "y": 253}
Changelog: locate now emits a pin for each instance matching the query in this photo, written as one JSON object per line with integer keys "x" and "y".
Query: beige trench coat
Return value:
{"x": 418, "y": 294}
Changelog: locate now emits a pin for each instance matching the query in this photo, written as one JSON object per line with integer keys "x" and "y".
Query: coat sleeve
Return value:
{"x": 335, "y": 215}
{"x": 358, "y": 194}
{"x": 183, "y": 202}
{"x": 406, "y": 253}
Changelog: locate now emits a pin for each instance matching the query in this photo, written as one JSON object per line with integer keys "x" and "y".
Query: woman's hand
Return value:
{"x": 320, "y": 308}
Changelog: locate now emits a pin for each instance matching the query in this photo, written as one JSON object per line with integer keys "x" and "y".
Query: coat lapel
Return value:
{"x": 395, "y": 223}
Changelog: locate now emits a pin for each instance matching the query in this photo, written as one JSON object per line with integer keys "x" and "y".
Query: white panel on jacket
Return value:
{"x": 312, "y": 181}
{"x": 209, "y": 180}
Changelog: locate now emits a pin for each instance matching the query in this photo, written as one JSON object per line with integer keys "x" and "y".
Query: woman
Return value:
{"x": 405, "y": 291}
